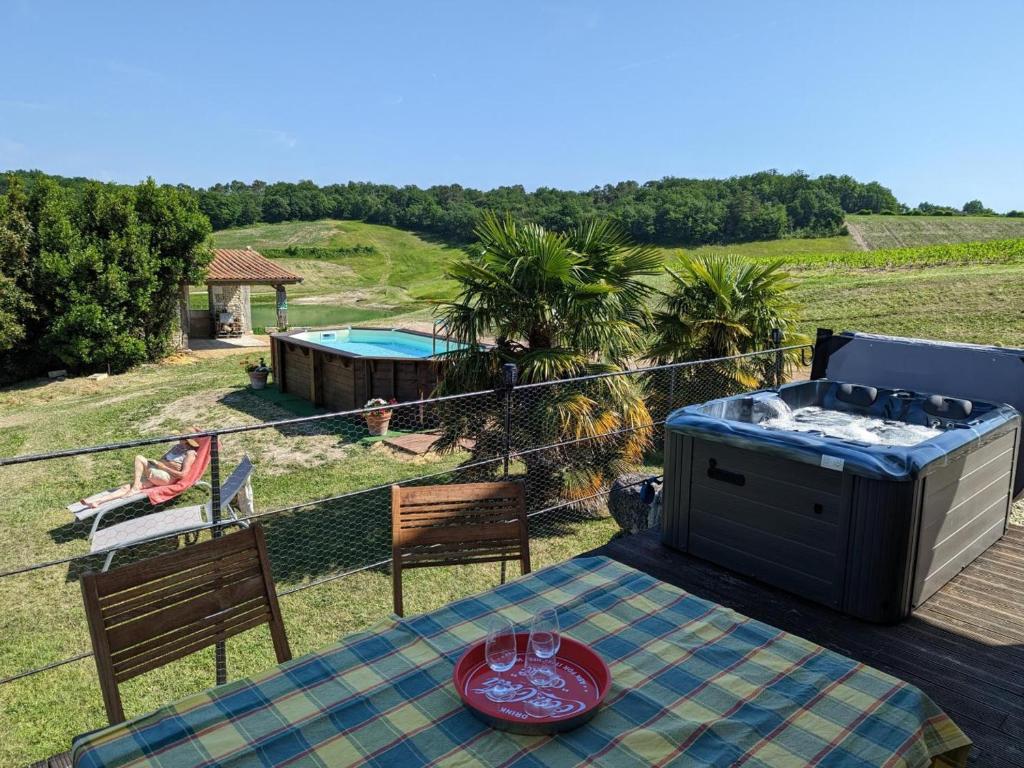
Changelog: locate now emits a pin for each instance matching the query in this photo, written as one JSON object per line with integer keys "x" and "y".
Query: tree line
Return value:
{"x": 671, "y": 211}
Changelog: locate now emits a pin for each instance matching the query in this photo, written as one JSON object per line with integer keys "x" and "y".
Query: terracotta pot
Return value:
{"x": 258, "y": 379}
{"x": 377, "y": 422}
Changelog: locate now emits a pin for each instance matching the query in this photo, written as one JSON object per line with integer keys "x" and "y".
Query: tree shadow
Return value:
{"x": 258, "y": 403}
{"x": 329, "y": 536}
{"x": 71, "y": 531}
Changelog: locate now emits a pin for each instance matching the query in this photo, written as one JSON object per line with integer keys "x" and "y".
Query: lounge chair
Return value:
{"x": 156, "y": 495}
{"x": 235, "y": 494}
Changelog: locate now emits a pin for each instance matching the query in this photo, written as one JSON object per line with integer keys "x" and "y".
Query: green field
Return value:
{"x": 971, "y": 292}
{"x": 400, "y": 275}
{"x": 905, "y": 231}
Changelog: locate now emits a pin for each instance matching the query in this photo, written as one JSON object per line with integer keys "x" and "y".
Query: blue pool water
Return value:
{"x": 363, "y": 342}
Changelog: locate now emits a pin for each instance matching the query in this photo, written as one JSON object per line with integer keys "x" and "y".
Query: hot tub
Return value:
{"x": 342, "y": 368}
{"x": 863, "y": 498}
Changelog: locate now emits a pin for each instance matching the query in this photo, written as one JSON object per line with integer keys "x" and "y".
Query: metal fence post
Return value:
{"x": 219, "y": 651}
{"x": 777, "y": 343}
{"x": 671, "y": 392}
{"x": 509, "y": 374}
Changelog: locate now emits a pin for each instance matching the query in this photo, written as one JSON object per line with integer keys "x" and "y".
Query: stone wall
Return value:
{"x": 232, "y": 298}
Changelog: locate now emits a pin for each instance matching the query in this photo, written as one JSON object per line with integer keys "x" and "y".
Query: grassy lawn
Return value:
{"x": 43, "y": 608}
{"x": 905, "y": 231}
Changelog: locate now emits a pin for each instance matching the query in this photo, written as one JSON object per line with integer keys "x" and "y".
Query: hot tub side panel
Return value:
{"x": 780, "y": 521}
{"x": 965, "y": 505}
{"x": 879, "y": 556}
{"x": 675, "y": 504}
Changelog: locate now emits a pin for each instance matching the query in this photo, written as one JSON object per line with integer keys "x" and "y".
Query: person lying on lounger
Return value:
{"x": 149, "y": 473}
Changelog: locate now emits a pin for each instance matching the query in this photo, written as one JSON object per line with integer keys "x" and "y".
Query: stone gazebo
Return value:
{"x": 229, "y": 279}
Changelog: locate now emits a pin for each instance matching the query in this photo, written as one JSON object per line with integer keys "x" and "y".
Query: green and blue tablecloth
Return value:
{"x": 693, "y": 684}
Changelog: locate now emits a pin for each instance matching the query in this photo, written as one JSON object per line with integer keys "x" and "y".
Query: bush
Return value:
{"x": 90, "y": 275}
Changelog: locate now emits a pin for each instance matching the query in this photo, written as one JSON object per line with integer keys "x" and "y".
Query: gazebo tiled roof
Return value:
{"x": 244, "y": 265}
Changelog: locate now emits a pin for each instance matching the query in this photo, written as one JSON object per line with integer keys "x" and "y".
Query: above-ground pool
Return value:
{"x": 343, "y": 368}
{"x": 380, "y": 343}
{"x": 863, "y": 498}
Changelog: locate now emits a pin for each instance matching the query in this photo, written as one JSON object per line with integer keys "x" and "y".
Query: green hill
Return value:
{"x": 353, "y": 271}
{"x": 362, "y": 273}
{"x": 875, "y": 232}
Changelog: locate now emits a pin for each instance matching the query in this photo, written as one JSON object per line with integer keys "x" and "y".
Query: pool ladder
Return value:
{"x": 443, "y": 325}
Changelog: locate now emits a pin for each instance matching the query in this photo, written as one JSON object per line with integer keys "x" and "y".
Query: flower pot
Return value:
{"x": 377, "y": 423}
{"x": 258, "y": 379}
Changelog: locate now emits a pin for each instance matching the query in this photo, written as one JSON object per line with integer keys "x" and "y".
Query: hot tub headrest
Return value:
{"x": 948, "y": 407}
{"x": 856, "y": 394}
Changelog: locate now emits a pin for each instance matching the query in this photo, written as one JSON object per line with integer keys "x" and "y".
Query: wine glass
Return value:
{"x": 545, "y": 640}
{"x": 500, "y": 653}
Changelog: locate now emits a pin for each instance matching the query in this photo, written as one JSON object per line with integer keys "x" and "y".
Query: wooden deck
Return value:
{"x": 964, "y": 647}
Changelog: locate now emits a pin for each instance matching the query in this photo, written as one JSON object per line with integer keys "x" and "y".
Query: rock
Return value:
{"x": 59, "y": 375}
{"x": 627, "y": 506}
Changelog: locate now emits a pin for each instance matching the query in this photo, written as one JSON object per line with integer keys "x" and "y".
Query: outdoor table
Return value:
{"x": 693, "y": 683}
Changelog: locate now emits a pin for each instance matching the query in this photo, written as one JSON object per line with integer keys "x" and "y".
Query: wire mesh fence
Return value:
{"x": 320, "y": 486}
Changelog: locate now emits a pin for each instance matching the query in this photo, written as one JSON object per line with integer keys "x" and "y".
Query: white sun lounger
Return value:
{"x": 84, "y": 511}
{"x": 236, "y": 491}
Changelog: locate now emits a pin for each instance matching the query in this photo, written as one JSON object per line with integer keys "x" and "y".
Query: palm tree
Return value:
{"x": 558, "y": 305}
{"x": 720, "y": 306}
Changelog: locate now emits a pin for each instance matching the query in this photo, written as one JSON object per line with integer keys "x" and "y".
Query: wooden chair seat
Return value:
{"x": 458, "y": 524}
{"x": 147, "y": 614}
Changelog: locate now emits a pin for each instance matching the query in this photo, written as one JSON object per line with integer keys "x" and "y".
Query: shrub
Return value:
{"x": 90, "y": 276}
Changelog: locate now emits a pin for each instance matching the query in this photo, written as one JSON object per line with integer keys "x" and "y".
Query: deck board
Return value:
{"x": 964, "y": 647}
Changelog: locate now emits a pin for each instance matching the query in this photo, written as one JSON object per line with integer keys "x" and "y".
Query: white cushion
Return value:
{"x": 157, "y": 525}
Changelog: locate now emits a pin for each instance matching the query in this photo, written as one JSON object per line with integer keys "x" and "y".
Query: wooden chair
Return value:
{"x": 146, "y": 614}
{"x": 457, "y": 524}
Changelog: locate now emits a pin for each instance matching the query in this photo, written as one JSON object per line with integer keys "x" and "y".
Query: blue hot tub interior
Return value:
{"x": 871, "y": 431}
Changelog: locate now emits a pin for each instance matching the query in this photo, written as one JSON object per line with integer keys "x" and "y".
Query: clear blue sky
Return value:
{"x": 926, "y": 97}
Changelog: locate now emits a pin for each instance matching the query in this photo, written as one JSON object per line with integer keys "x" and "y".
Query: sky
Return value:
{"x": 925, "y": 97}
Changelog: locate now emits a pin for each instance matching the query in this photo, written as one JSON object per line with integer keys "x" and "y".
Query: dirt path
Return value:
{"x": 858, "y": 238}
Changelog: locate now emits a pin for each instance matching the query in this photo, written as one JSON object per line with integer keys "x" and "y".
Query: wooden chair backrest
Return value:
{"x": 144, "y": 615}
{"x": 457, "y": 524}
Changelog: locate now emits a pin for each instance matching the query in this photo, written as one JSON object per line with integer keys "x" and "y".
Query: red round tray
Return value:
{"x": 584, "y": 676}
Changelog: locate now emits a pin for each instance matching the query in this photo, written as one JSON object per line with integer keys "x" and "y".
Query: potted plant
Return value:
{"x": 258, "y": 373}
{"x": 377, "y": 421}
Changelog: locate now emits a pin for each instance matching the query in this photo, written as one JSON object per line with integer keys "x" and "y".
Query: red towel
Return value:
{"x": 162, "y": 493}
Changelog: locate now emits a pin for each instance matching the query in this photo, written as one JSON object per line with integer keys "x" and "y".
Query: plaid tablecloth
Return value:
{"x": 693, "y": 683}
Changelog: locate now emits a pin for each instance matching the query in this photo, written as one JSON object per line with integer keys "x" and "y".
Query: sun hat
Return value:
{"x": 191, "y": 440}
